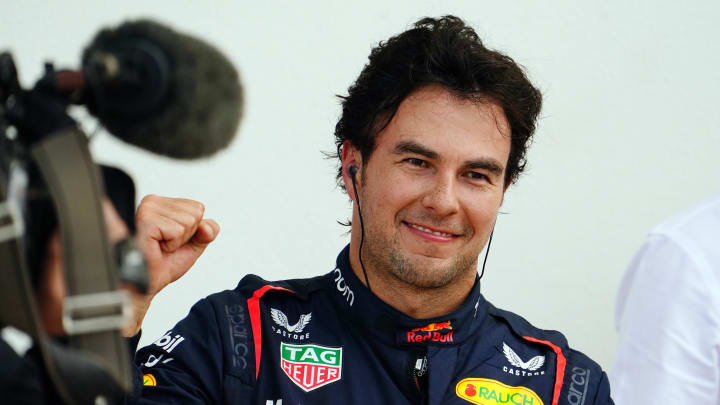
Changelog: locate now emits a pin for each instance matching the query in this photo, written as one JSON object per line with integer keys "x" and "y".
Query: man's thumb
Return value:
{"x": 206, "y": 232}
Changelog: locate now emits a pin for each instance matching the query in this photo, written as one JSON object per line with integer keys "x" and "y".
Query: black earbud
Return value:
{"x": 352, "y": 170}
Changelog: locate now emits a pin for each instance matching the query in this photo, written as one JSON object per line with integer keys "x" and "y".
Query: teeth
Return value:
{"x": 436, "y": 233}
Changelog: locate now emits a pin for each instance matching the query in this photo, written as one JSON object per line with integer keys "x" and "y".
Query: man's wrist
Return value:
{"x": 140, "y": 305}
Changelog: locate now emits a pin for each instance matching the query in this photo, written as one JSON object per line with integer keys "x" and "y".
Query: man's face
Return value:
{"x": 431, "y": 189}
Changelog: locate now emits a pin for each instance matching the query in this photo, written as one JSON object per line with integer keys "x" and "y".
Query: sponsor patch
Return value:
{"x": 485, "y": 391}
{"x": 579, "y": 380}
{"x": 290, "y": 331}
{"x": 239, "y": 334}
{"x": 149, "y": 380}
{"x": 153, "y": 360}
{"x": 440, "y": 332}
{"x": 523, "y": 368}
{"x": 311, "y": 366}
{"x": 343, "y": 288}
{"x": 168, "y": 342}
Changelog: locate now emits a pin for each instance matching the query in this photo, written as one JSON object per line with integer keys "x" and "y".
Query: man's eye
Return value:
{"x": 477, "y": 176}
{"x": 416, "y": 162}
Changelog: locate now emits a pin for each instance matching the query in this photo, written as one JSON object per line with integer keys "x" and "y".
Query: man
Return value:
{"x": 432, "y": 133}
{"x": 668, "y": 313}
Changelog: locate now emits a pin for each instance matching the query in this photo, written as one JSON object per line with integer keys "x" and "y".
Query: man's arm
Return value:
{"x": 183, "y": 366}
{"x": 667, "y": 317}
{"x": 186, "y": 365}
{"x": 172, "y": 234}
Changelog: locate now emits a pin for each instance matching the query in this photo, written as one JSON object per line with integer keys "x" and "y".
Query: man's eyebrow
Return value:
{"x": 487, "y": 164}
{"x": 415, "y": 148}
{"x": 491, "y": 165}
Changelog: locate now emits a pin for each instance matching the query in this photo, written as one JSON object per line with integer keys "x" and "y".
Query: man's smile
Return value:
{"x": 431, "y": 234}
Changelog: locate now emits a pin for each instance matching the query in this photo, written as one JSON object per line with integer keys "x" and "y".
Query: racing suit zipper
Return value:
{"x": 420, "y": 376}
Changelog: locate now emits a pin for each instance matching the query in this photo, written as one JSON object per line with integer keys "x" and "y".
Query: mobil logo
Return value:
{"x": 168, "y": 343}
{"x": 311, "y": 366}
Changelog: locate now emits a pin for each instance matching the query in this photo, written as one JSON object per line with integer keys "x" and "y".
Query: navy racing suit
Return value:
{"x": 329, "y": 340}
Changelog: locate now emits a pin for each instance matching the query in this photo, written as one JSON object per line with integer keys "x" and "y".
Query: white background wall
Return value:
{"x": 627, "y": 137}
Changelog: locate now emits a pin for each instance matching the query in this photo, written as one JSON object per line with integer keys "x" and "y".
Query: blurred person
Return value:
{"x": 667, "y": 313}
{"x": 23, "y": 379}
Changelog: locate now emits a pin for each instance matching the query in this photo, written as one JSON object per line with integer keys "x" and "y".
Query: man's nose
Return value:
{"x": 442, "y": 195}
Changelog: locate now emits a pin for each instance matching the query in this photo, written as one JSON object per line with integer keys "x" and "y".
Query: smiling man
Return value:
{"x": 429, "y": 192}
{"x": 431, "y": 135}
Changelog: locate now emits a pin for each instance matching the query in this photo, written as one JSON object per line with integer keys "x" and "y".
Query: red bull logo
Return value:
{"x": 434, "y": 327}
{"x": 441, "y": 332}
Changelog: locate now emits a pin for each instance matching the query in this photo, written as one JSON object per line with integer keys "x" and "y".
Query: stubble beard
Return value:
{"x": 386, "y": 256}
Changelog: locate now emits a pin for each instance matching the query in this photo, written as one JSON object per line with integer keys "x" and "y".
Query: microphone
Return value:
{"x": 161, "y": 90}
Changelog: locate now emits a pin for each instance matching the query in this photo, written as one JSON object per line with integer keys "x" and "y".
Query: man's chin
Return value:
{"x": 430, "y": 260}
{"x": 428, "y": 281}
{"x": 427, "y": 272}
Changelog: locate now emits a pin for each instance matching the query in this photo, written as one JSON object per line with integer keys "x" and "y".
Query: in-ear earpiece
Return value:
{"x": 352, "y": 169}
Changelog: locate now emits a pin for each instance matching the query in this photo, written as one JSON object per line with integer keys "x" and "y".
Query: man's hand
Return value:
{"x": 172, "y": 234}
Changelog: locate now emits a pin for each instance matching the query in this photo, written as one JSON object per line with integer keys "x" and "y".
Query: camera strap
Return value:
{"x": 94, "y": 310}
{"x": 95, "y": 366}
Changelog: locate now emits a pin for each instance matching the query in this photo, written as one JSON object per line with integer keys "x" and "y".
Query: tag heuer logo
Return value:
{"x": 311, "y": 366}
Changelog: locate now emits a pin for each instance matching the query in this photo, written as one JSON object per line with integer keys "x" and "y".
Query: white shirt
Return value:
{"x": 668, "y": 314}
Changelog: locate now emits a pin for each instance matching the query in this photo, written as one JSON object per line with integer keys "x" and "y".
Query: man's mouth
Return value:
{"x": 430, "y": 231}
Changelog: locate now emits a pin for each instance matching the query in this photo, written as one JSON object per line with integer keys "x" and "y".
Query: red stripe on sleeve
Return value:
{"x": 254, "y": 310}
{"x": 559, "y": 368}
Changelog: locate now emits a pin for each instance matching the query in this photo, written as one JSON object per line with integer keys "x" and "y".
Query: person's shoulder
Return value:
{"x": 688, "y": 237}
{"x": 253, "y": 287}
{"x": 582, "y": 377}
{"x": 223, "y": 326}
{"x": 523, "y": 328}
{"x": 693, "y": 223}
{"x": 551, "y": 338}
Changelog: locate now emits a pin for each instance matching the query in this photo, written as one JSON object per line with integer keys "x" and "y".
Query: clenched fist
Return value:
{"x": 172, "y": 234}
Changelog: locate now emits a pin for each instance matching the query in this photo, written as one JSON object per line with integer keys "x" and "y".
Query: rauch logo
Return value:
{"x": 434, "y": 332}
{"x": 489, "y": 392}
{"x": 311, "y": 366}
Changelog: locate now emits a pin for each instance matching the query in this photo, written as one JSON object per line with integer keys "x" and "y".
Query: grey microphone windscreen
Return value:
{"x": 163, "y": 91}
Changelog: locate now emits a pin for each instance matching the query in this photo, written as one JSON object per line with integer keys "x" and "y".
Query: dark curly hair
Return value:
{"x": 441, "y": 51}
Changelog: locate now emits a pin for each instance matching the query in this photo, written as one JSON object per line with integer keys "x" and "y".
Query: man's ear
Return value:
{"x": 351, "y": 159}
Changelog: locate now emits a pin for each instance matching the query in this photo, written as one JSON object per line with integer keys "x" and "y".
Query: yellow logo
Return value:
{"x": 149, "y": 379}
{"x": 484, "y": 391}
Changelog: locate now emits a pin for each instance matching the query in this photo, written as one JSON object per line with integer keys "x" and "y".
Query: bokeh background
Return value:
{"x": 626, "y": 138}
